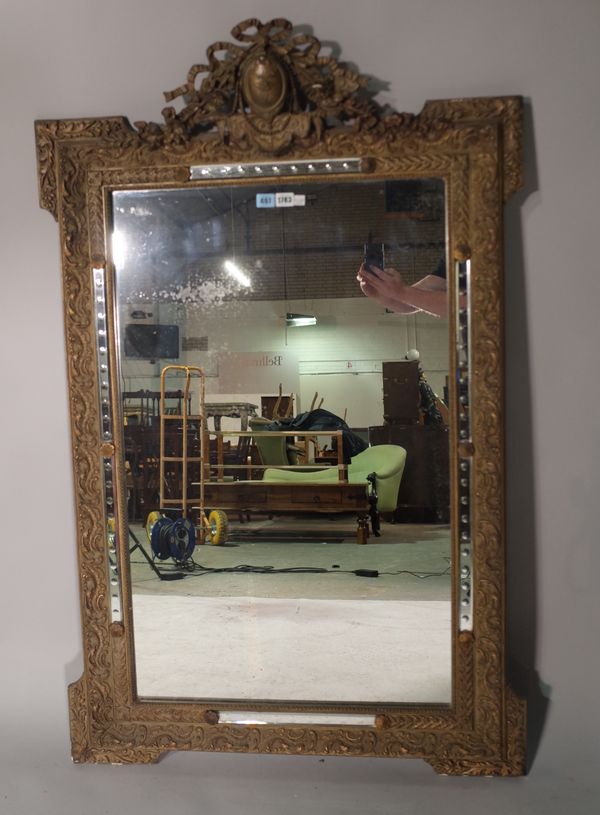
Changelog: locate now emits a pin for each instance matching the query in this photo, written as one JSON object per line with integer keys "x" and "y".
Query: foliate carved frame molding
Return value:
{"x": 275, "y": 95}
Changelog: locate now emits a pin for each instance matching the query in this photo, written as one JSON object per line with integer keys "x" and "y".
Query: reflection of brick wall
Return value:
{"x": 315, "y": 250}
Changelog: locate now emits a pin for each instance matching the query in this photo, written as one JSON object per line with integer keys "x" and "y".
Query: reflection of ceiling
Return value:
{"x": 179, "y": 239}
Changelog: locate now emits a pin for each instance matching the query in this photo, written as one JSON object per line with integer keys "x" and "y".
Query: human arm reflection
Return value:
{"x": 387, "y": 287}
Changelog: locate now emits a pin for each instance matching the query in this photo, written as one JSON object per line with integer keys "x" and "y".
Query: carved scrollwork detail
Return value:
{"x": 79, "y": 720}
{"x": 49, "y": 134}
{"x": 506, "y": 112}
{"x": 459, "y": 748}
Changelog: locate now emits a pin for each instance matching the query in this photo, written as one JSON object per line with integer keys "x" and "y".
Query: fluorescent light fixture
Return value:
{"x": 300, "y": 319}
{"x": 234, "y": 270}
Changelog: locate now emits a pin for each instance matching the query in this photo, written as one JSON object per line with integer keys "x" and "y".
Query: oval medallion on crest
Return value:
{"x": 264, "y": 85}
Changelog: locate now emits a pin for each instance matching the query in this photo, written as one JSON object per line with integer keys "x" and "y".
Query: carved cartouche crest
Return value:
{"x": 272, "y": 92}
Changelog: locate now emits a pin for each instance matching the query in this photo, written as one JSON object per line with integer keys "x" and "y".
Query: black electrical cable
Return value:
{"x": 247, "y": 569}
{"x": 419, "y": 575}
{"x": 194, "y": 569}
{"x": 422, "y": 575}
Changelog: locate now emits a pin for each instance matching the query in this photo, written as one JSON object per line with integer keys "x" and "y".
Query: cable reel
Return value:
{"x": 159, "y": 538}
{"x": 182, "y": 540}
{"x": 171, "y": 539}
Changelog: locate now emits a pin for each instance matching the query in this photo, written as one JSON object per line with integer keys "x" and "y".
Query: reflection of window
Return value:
{"x": 194, "y": 343}
{"x": 421, "y": 198}
{"x": 178, "y": 240}
{"x": 152, "y": 341}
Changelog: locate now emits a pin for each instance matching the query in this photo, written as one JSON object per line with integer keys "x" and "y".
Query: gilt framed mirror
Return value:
{"x": 284, "y": 331}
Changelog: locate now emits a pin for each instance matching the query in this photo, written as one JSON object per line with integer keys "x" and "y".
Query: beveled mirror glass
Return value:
{"x": 284, "y": 338}
{"x": 224, "y": 267}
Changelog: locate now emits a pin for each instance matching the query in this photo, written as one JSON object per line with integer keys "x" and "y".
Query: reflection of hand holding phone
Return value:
{"x": 374, "y": 256}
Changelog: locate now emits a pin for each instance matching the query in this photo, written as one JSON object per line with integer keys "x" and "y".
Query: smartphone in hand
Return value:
{"x": 374, "y": 256}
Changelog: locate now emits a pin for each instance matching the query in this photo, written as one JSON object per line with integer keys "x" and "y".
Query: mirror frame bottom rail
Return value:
{"x": 446, "y": 738}
{"x": 475, "y": 146}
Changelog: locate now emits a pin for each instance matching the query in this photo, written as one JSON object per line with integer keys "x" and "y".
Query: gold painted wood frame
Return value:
{"x": 314, "y": 108}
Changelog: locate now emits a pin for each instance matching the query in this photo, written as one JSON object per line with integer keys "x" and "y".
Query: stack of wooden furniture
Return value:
{"x": 424, "y": 494}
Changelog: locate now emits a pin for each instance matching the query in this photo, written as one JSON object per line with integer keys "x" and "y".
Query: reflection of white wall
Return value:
{"x": 351, "y": 330}
{"x": 360, "y": 395}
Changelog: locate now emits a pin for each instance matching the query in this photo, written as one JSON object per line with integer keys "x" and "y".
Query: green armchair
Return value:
{"x": 386, "y": 461}
{"x": 272, "y": 449}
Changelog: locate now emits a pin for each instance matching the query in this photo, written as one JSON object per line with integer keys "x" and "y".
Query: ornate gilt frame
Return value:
{"x": 273, "y": 95}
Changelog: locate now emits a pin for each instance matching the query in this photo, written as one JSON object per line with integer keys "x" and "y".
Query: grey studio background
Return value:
{"x": 76, "y": 58}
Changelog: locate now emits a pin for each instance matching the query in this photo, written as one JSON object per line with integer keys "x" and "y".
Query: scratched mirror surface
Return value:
{"x": 286, "y": 438}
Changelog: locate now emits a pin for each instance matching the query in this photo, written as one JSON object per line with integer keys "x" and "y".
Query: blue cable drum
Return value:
{"x": 159, "y": 538}
{"x": 182, "y": 540}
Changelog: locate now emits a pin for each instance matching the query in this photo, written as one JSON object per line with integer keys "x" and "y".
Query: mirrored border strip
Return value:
{"x": 248, "y": 717}
{"x": 280, "y": 168}
{"x": 106, "y": 432}
{"x": 463, "y": 365}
